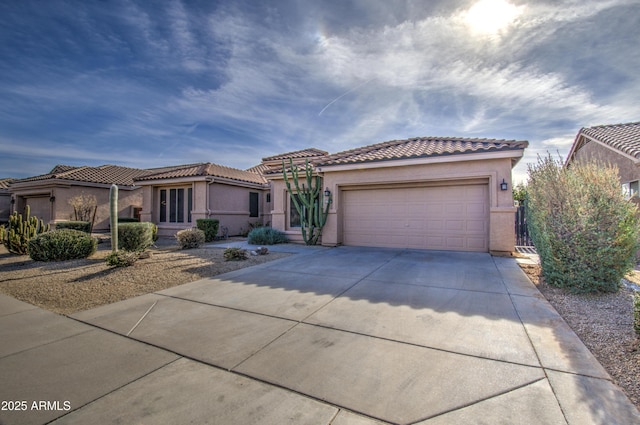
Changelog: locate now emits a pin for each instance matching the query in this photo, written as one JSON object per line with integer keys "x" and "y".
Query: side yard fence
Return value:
{"x": 522, "y": 232}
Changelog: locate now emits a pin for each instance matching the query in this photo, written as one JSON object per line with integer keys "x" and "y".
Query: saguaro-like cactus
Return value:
{"x": 308, "y": 202}
{"x": 113, "y": 216}
{"x": 20, "y": 230}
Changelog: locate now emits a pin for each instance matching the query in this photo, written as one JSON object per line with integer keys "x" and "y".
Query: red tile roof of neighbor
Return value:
{"x": 105, "y": 174}
{"x": 420, "y": 147}
{"x": 4, "y": 183}
{"x": 623, "y": 137}
{"x": 204, "y": 169}
{"x": 301, "y": 154}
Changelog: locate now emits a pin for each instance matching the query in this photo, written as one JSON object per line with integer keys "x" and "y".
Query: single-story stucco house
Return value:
{"x": 5, "y": 200}
{"x": 48, "y": 195}
{"x": 439, "y": 193}
{"x": 174, "y": 199}
{"x": 617, "y": 144}
{"x": 426, "y": 193}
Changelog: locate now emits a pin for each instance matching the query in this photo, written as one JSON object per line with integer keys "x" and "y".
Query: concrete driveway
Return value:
{"x": 327, "y": 336}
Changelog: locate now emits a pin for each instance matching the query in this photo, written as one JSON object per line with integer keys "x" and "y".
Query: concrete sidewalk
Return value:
{"x": 327, "y": 336}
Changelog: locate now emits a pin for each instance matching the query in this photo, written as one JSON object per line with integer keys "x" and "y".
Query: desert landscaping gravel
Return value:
{"x": 67, "y": 287}
{"x": 604, "y": 322}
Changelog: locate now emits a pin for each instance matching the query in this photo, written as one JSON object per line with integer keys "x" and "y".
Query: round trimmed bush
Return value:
{"x": 61, "y": 245}
{"x": 136, "y": 236}
{"x": 190, "y": 238}
{"x": 266, "y": 236}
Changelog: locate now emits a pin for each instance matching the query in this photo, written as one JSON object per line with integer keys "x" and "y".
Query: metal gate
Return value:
{"x": 522, "y": 231}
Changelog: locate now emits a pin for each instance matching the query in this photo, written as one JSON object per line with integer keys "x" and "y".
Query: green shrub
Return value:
{"x": 83, "y": 226}
{"x": 209, "y": 226}
{"x": 266, "y": 236}
{"x": 61, "y": 244}
{"x": 122, "y": 258}
{"x": 154, "y": 232}
{"x": 128, "y": 220}
{"x": 135, "y": 237}
{"x": 235, "y": 254}
{"x": 636, "y": 312}
{"x": 584, "y": 230}
{"x": 190, "y": 238}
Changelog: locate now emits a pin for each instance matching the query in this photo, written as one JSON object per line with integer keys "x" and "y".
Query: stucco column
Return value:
{"x": 147, "y": 204}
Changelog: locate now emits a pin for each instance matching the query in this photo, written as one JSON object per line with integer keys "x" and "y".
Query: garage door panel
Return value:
{"x": 40, "y": 207}
{"x": 476, "y": 244}
{"x": 448, "y": 217}
{"x": 477, "y": 226}
{"x": 455, "y": 226}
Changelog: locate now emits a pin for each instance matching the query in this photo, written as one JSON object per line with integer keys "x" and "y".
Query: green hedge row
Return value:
{"x": 83, "y": 226}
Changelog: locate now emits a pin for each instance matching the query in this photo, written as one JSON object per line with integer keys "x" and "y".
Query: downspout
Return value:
{"x": 210, "y": 181}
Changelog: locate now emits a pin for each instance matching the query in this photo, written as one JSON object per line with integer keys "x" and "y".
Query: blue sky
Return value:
{"x": 154, "y": 83}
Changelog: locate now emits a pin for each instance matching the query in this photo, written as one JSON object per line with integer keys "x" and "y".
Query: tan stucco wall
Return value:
{"x": 501, "y": 218}
{"x": 61, "y": 210}
{"x": 127, "y": 200}
{"x": 230, "y": 205}
{"x": 226, "y": 202}
{"x": 627, "y": 168}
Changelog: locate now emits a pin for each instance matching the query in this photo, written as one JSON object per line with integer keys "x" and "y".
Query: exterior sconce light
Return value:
{"x": 13, "y": 201}
{"x": 52, "y": 199}
{"x": 503, "y": 185}
{"x": 327, "y": 196}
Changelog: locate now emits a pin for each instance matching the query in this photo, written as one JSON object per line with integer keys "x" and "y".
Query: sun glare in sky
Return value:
{"x": 491, "y": 16}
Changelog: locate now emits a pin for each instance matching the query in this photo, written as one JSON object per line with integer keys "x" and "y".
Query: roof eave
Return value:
{"x": 581, "y": 140}
{"x": 50, "y": 183}
{"x": 515, "y": 153}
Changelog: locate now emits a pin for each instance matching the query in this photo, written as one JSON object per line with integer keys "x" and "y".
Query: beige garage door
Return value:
{"x": 441, "y": 218}
{"x": 40, "y": 206}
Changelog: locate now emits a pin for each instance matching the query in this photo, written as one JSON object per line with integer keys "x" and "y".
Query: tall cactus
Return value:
{"x": 113, "y": 216}
{"x": 309, "y": 201}
{"x": 20, "y": 230}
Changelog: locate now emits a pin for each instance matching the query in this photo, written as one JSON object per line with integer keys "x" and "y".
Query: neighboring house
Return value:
{"x": 425, "y": 193}
{"x": 5, "y": 200}
{"x": 48, "y": 195}
{"x": 617, "y": 144}
{"x": 175, "y": 198}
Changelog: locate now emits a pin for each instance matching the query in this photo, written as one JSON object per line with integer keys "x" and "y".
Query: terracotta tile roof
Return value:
{"x": 4, "y": 183}
{"x": 106, "y": 174}
{"x": 259, "y": 169}
{"x": 420, "y": 147}
{"x": 204, "y": 169}
{"x": 623, "y": 137}
{"x": 60, "y": 168}
{"x": 301, "y": 154}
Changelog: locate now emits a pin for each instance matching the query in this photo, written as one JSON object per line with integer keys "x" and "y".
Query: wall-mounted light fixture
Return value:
{"x": 327, "y": 196}
{"x": 52, "y": 199}
{"x": 503, "y": 185}
{"x": 13, "y": 201}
